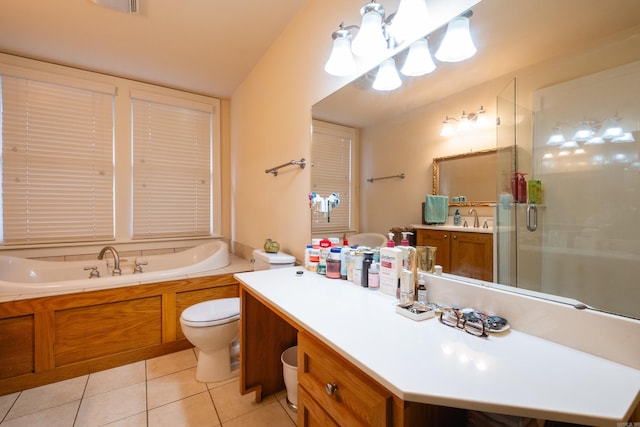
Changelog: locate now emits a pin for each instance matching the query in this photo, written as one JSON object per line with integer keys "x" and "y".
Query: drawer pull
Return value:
{"x": 331, "y": 388}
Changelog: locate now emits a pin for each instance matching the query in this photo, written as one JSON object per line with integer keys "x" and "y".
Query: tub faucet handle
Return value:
{"x": 94, "y": 271}
{"x": 139, "y": 265}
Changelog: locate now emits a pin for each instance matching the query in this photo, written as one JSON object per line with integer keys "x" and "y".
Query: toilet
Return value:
{"x": 212, "y": 327}
{"x": 268, "y": 261}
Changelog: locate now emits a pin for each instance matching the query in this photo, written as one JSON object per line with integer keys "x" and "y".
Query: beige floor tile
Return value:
{"x": 171, "y": 363}
{"x": 137, "y": 420}
{"x": 48, "y": 396}
{"x": 172, "y": 387}
{"x": 6, "y": 402}
{"x": 283, "y": 402}
{"x": 113, "y": 379}
{"x": 231, "y": 404}
{"x": 269, "y": 415}
{"x": 112, "y": 406}
{"x": 194, "y": 411}
{"x": 58, "y": 416}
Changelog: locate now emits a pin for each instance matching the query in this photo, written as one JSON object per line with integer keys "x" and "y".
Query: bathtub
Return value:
{"x": 22, "y": 276}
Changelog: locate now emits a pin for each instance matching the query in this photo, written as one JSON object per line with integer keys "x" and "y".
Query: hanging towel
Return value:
{"x": 436, "y": 209}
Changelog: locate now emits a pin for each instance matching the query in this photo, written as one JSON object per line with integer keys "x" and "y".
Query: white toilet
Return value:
{"x": 212, "y": 327}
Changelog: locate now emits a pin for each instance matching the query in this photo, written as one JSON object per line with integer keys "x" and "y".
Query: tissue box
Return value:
{"x": 534, "y": 188}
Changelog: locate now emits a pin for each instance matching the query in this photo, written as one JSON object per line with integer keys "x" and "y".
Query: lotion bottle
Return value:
{"x": 390, "y": 267}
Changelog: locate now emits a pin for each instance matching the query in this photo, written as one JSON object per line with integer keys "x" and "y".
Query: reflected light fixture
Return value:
{"x": 556, "y": 138}
{"x": 447, "y": 128}
{"x": 613, "y": 130}
{"x": 457, "y": 44}
{"x": 585, "y": 131}
{"x": 341, "y": 62}
{"x": 370, "y": 39}
{"x": 409, "y": 20}
{"x": 387, "y": 77}
{"x": 627, "y": 137}
{"x": 125, "y": 6}
{"x": 418, "y": 61}
{"x": 465, "y": 122}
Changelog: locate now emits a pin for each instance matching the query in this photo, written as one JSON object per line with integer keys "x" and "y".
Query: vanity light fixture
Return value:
{"x": 124, "y": 6}
{"x": 457, "y": 44}
{"x": 378, "y": 33}
{"x": 591, "y": 132}
{"x": 467, "y": 121}
{"x": 387, "y": 77}
{"x": 418, "y": 61}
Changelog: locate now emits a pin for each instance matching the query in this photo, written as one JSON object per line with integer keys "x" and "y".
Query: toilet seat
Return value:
{"x": 211, "y": 313}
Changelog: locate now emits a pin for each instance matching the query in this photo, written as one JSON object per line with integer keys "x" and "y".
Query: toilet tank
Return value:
{"x": 267, "y": 261}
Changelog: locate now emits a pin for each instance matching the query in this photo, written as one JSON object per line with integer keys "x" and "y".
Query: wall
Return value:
{"x": 271, "y": 125}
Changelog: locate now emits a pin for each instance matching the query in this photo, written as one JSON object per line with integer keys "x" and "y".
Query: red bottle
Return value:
{"x": 514, "y": 186}
{"x": 522, "y": 188}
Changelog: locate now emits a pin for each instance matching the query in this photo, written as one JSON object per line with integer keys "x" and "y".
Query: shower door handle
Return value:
{"x": 532, "y": 217}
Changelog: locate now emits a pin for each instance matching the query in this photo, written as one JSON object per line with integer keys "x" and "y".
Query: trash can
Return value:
{"x": 290, "y": 372}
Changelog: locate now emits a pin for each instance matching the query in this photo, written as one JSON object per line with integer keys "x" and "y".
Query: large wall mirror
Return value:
{"x": 400, "y": 133}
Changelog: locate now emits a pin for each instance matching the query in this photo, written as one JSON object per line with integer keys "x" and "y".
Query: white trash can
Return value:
{"x": 290, "y": 372}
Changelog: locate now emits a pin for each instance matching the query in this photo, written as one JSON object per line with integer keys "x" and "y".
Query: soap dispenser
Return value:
{"x": 456, "y": 217}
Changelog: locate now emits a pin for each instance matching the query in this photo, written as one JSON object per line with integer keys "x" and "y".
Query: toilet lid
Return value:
{"x": 211, "y": 313}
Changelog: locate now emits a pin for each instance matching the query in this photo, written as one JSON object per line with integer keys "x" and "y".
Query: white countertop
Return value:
{"x": 511, "y": 373}
{"x": 459, "y": 228}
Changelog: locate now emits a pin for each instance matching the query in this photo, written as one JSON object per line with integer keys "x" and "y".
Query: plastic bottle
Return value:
{"x": 344, "y": 258}
{"x": 390, "y": 267}
{"x": 374, "y": 277}
{"x": 333, "y": 264}
{"x": 456, "y": 217}
{"x": 366, "y": 265}
{"x": 324, "y": 254}
{"x": 358, "y": 260}
{"x": 522, "y": 188}
{"x": 311, "y": 258}
{"x": 404, "y": 247}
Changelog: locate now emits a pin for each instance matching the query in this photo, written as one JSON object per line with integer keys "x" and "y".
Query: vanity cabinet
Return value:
{"x": 333, "y": 392}
{"x": 462, "y": 253}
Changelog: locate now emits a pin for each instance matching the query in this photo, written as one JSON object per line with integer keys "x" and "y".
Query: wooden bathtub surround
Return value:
{"x": 48, "y": 339}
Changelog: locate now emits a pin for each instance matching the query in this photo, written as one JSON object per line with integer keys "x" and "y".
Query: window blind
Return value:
{"x": 172, "y": 167}
{"x": 57, "y": 162}
{"x": 331, "y": 152}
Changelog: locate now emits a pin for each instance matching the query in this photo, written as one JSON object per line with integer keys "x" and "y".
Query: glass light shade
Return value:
{"x": 447, "y": 129}
{"x": 457, "y": 44}
{"x": 419, "y": 61}
{"x": 464, "y": 125}
{"x": 584, "y": 133}
{"x": 482, "y": 120}
{"x": 387, "y": 77}
{"x": 569, "y": 144}
{"x": 627, "y": 137}
{"x": 595, "y": 140}
{"x": 370, "y": 39}
{"x": 556, "y": 138}
{"x": 613, "y": 131}
{"x": 341, "y": 62}
{"x": 410, "y": 20}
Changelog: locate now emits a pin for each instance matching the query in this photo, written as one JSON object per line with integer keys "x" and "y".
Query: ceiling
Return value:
{"x": 510, "y": 35}
{"x": 203, "y": 46}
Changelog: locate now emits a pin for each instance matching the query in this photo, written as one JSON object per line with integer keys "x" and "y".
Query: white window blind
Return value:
{"x": 172, "y": 167}
{"x": 332, "y": 153}
{"x": 57, "y": 162}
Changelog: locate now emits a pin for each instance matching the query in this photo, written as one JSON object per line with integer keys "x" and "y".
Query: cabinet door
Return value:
{"x": 310, "y": 414}
{"x": 438, "y": 239}
{"x": 472, "y": 255}
{"x": 345, "y": 393}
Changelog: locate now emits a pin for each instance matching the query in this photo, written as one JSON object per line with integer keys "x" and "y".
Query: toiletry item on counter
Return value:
{"x": 366, "y": 265}
{"x": 522, "y": 188}
{"x": 373, "y": 281}
{"x": 404, "y": 247}
{"x": 456, "y": 217}
{"x": 390, "y": 267}
{"x": 325, "y": 245}
{"x": 407, "y": 284}
{"x": 344, "y": 258}
{"x": 415, "y": 310}
{"x": 535, "y": 191}
{"x": 333, "y": 264}
{"x": 311, "y": 258}
{"x": 358, "y": 261}
{"x": 422, "y": 291}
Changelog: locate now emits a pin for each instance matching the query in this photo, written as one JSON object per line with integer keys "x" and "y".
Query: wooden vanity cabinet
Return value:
{"x": 332, "y": 391}
{"x": 465, "y": 254}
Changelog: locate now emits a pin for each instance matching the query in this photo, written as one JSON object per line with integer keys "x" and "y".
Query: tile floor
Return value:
{"x": 155, "y": 392}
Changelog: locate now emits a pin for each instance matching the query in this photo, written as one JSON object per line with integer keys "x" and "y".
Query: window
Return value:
{"x": 92, "y": 158}
{"x": 333, "y": 151}
{"x": 171, "y": 169}
{"x": 57, "y": 162}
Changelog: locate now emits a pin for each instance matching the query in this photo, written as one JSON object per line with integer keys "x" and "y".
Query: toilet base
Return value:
{"x": 215, "y": 366}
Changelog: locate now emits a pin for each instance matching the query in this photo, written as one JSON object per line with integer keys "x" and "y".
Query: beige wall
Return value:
{"x": 271, "y": 125}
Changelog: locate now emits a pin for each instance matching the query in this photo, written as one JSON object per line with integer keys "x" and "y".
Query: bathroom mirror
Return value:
{"x": 509, "y": 40}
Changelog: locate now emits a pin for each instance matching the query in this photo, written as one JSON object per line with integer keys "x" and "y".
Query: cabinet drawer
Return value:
{"x": 356, "y": 401}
